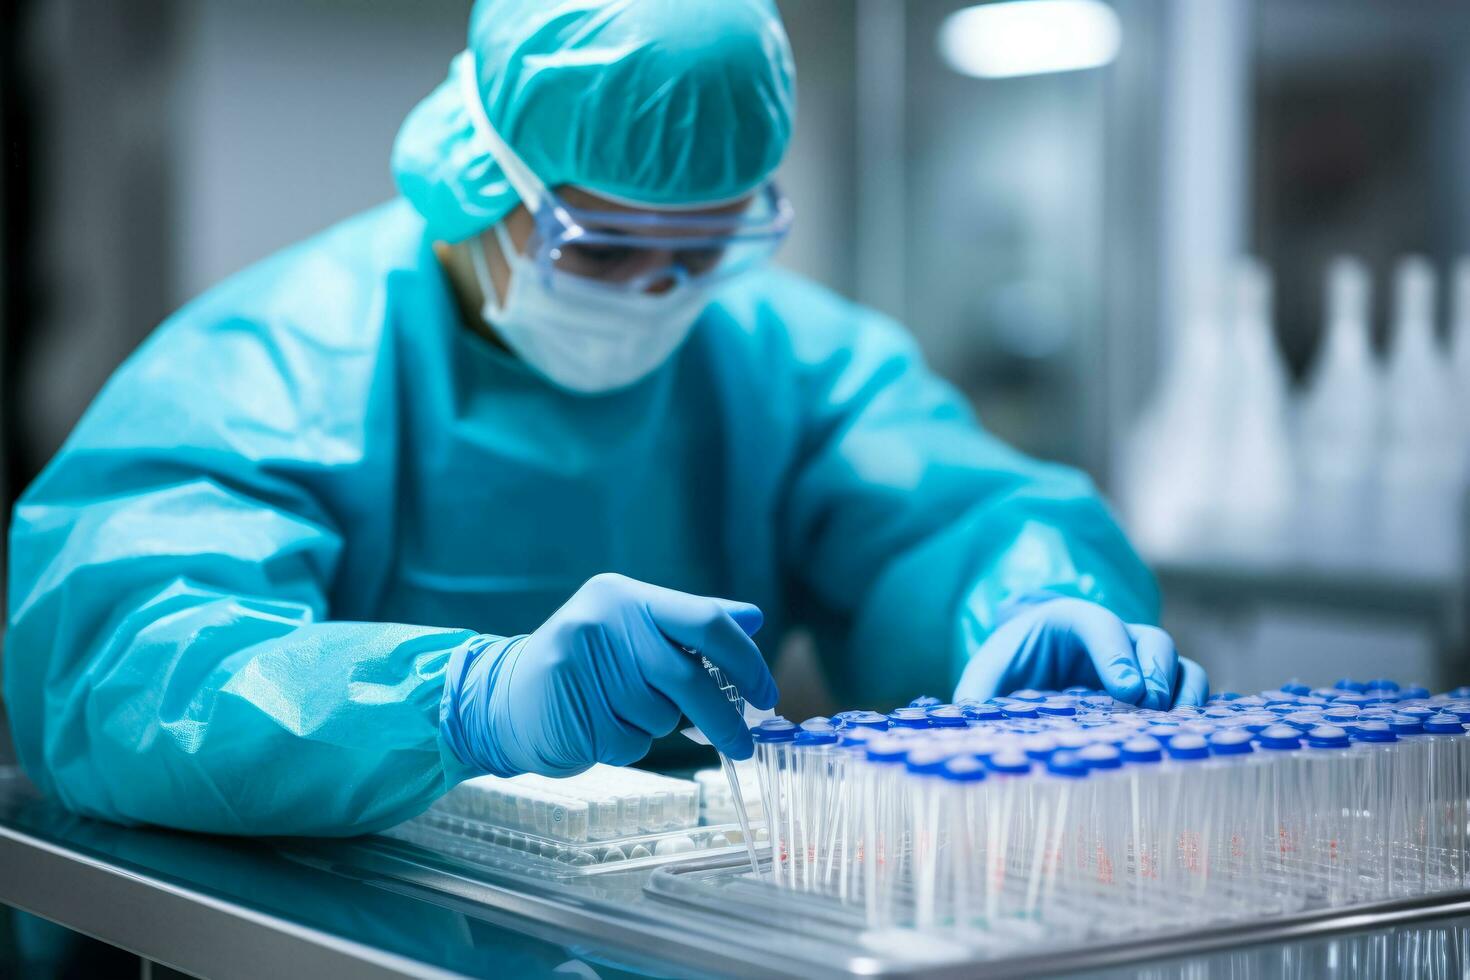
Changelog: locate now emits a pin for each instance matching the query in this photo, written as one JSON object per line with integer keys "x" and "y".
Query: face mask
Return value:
{"x": 582, "y": 336}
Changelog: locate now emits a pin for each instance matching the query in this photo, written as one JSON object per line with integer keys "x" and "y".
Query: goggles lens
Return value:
{"x": 641, "y": 250}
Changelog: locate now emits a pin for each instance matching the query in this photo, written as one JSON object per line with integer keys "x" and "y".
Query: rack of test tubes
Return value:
{"x": 602, "y": 817}
{"x": 1071, "y": 816}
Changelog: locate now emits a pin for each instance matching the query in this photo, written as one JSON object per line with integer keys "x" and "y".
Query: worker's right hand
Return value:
{"x": 609, "y": 671}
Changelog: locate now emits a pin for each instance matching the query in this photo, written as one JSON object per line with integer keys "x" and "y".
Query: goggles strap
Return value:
{"x": 521, "y": 177}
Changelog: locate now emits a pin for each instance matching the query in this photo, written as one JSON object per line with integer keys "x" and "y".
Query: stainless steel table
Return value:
{"x": 220, "y": 907}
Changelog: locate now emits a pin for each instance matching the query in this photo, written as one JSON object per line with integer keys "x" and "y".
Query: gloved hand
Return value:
{"x": 599, "y": 680}
{"x": 1058, "y": 642}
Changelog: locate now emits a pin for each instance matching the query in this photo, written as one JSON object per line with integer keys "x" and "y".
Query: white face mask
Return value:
{"x": 584, "y": 337}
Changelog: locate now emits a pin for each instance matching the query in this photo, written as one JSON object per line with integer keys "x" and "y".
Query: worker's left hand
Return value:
{"x": 1060, "y": 642}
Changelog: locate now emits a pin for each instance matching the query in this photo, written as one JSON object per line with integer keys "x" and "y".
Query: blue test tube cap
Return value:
{"x": 1303, "y": 721}
{"x": 908, "y": 718}
{"x": 926, "y": 761}
{"x": 817, "y": 723}
{"x": 1028, "y": 695}
{"x": 924, "y": 701}
{"x": 1009, "y": 762}
{"x": 1444, "y": 725}
{"x": 1458, "y": 693}
{"x": 1402, "y": 725}
{"x": 816, "y": 735}
{"x": 1078, "y": 689}
{"x": 1326, "y": 693}
{"x": 867, "y": 719}
{"x": 1256, "y": 722}
{"x": 1019, "y": 709}
{"x": 1101, "y": 755}
{"x": 775, "y": 729}
{"x": 856, "y": 737}
{"x": 1328, "y": 737}
{"x": 1067, "y": 765}
{"x": 1296, "y": 687}
{"x": 983, "y": 712}
{"x": 1188, "y": 748}
{"x": 1418, "y": 710}
{"x": 1414, "y": 692}
{"x": 1348, "y": 684}
{"x": 1061, "y": 706}
{"x": 1374, "y": 730}
{"x": 1231, "y": 741}
{"x": 1039, "y": 746}
{"x": 1280, "y": 738}
{"x": 1459, "y": 710}
{"x": 887, "y": 749}
{"x": 1142, "y": 750}
{"x": 1383, "y": 684}
{"x": 947, "y": 716}
{"x": 1165, "y": 733}
{"x": 964, "y": 769}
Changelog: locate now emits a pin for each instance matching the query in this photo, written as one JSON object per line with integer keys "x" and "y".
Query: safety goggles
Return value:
{"x": 637, "y": 250}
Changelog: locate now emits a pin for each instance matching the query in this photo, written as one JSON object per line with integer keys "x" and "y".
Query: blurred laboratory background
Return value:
{"x": 1211, "y": 251}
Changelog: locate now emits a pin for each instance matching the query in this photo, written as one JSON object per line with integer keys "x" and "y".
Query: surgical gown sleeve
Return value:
{"x": 908, "y": 527}
{"x": 170, "y": 657}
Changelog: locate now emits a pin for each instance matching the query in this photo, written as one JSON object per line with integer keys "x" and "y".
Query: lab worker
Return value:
{"x": 470, "y": 482}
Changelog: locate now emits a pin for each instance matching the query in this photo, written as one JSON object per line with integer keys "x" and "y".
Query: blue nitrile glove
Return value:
{"x": 1051, "y": 643}
{"x": 598, "y": 681}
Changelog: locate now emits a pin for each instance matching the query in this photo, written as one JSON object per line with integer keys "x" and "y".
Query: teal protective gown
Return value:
{"x": 234, "y": 592}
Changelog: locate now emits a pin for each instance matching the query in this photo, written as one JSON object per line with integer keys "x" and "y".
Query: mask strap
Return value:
{"x": 521, "y": 177}
{"x": 491, "y": 308}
